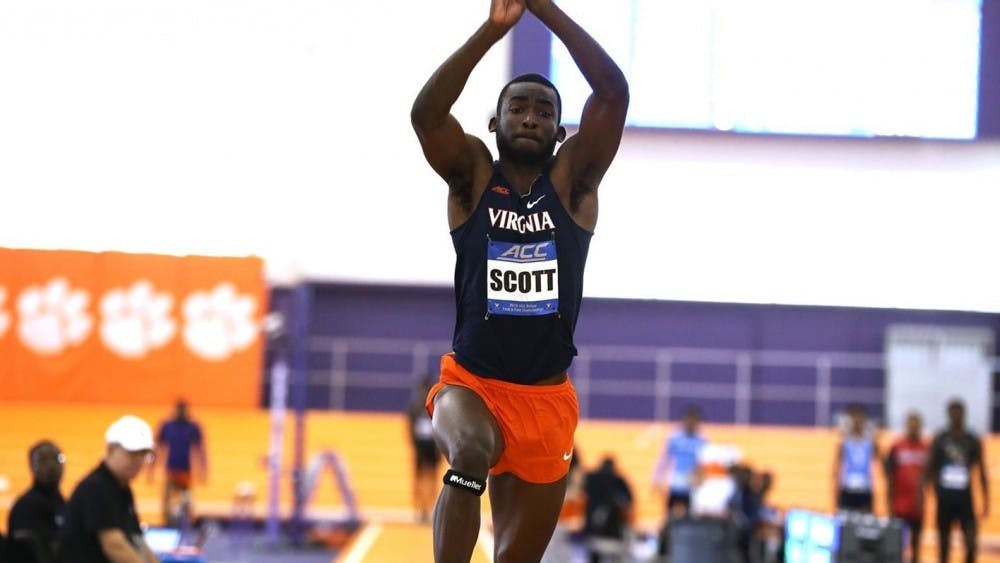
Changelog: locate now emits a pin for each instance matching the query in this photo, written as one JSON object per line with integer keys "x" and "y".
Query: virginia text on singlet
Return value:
{"x": 518, "y": 283}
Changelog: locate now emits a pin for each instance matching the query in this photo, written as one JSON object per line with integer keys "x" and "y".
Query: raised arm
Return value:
{"x": 589, "y": 153}
{"x": 450, "y": 152}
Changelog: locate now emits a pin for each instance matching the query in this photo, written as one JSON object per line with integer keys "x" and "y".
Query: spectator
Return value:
{"x": 769, "y": 537}
{"x": 956, "y": 456}
{"x": 36, "y": 516}
{"x": 101, "y": 523}
{"x": 760, "y": 528}
{"x": 426, "y": 455}
{"x": 608, "y": 511}
{"x": 747, "y": 506}
{"x": 852, "y": 469}
{"x": 714, "y": 491}
{"x": 904, "y": 469}
{"x": 711, "y": 530}
{"x": 178, "y": 441}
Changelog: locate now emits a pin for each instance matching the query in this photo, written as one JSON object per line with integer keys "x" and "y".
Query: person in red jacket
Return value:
{"x": 904, "y": 468}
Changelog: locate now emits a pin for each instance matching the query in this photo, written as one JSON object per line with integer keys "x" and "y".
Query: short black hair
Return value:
{"x": 537, "y": 79}
{"x": 38, "y": 447}
{"x": 693, "y": 411}
{"x": 856, "y": 408}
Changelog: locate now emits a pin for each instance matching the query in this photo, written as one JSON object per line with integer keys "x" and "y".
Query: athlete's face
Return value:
{"x": 181, "y": 410}
{"x": 956, "y": 415}
{"x": 858, "y": 422}
{"x": 691, "y": 423}
{"x": 527, "y": 126}
{"x": 913, "y": 426}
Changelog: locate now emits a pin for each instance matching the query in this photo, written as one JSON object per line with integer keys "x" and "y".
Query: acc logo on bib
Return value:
{"x": 523, "y": 278}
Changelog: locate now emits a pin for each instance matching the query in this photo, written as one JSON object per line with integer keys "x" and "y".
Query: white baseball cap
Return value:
{"x": 131, "y": 433}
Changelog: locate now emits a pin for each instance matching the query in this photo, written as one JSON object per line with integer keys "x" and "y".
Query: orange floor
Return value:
{"x": 375, "y": 451}
{"x": 394, "y": 542}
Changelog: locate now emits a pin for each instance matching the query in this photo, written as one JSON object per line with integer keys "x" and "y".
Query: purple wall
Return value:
{"x": 427, "y": 314}
{"x": 776, "y": 327}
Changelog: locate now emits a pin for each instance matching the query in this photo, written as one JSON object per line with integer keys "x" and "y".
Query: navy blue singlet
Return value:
{"x": 518, "y": 283}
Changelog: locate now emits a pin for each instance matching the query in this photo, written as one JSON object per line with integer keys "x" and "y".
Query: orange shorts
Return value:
{"x": 179, "y": 478}
{"x": 537, "y": 421}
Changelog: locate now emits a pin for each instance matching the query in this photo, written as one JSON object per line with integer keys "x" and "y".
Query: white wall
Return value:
{"x": 906, "y": 224}
{"x": 281, "y": 129}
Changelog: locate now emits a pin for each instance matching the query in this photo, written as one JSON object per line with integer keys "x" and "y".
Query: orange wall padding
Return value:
{"x": 113, "y": 327}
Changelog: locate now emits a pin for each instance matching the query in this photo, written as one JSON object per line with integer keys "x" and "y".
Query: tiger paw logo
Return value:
{"x": 136, "y": 320}
{"x": 4, "y": 315}
{"x": 220, "y": 322}
{"x": 53, "y": 317}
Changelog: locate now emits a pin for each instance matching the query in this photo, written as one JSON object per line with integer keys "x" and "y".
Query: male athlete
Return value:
{"x": 904, "y": 470}
{"x": 679, "y": 462}
{"x": 852, "y": 468}
{"x": 956, "y": 460}
{"x": 521, "y": 227}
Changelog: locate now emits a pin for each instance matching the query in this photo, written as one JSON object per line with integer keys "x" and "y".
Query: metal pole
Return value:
{"x": 279, "y": 397}
{"x": 301, "y": 307}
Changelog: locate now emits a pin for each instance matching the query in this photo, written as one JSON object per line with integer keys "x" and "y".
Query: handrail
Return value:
{"x": 818, "y": 387}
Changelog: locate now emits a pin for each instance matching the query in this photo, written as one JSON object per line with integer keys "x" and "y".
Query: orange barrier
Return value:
{"x": 138, "y": 328}
{"x": 376, "y": 452}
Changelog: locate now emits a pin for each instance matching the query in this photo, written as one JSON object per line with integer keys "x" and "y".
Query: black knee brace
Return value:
{"x": 465, "y": 482}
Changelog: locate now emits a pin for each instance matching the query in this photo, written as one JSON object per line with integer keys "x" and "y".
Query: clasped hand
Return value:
{"x": 506, "y": 13}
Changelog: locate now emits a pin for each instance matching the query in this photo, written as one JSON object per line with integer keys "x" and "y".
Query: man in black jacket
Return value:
{"x": 609, "y": 506}
{"x": 101, "y": 522}
{"x": 37, "y": 515}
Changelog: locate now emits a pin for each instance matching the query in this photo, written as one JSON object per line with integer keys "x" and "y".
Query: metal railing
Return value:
{"x": 814, "y": 383}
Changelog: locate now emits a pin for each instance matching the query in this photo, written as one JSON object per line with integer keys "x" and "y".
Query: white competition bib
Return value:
{"x": 955, "y": 477}
{"x": 856, "y": 482}
{"x": 680, "y": 481}
{"x": 522, "y": 278}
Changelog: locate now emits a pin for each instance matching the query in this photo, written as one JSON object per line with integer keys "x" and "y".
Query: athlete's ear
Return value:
{"x": 561, "y": 134}
{"x": 493, "y": 124}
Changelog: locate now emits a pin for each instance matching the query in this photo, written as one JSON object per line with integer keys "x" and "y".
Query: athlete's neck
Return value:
{"x": 521, "y": 177}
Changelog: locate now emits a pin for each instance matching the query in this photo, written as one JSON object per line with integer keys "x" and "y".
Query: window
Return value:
{"x": 859, "y": 68}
